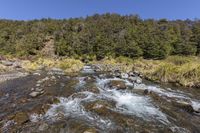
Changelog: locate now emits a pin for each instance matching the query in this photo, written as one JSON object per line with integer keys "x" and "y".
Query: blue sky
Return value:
{"x": 37, "y": 9}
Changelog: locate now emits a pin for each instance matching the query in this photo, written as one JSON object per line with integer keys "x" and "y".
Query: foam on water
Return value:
{"x": 81, "y": 82}
{"x": 126, "y": 103}
{"x": 196, "y": 105}
{"x": 132, "y": 104}
{"x": 163, "y": 92}
{"x": 72, "y": 108}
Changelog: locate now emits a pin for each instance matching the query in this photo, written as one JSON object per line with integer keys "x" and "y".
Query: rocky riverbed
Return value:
{"x": 95, "y": 101}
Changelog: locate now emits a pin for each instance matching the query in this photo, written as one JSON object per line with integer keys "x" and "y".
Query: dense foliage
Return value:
{"x": 102, "y": 35}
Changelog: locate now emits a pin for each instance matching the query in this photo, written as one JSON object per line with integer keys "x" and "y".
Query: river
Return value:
{"x": 91, "y": 102}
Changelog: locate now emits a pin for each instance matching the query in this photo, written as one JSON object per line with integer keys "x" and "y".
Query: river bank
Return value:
{"x": 180, "y": 71}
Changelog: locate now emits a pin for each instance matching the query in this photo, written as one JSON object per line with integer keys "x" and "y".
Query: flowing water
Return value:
{"x": 87, "y": 103}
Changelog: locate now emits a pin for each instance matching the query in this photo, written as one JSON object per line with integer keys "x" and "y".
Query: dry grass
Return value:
{"x": 68, "y": 65}
{"x": 182, "y": 70}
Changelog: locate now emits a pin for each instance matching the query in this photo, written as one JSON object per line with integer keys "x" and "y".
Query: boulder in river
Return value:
{"x": 90, "y": 130}
{"x": 21, "y": 118}
{"x": 146, "y": 91}
{"x": 43, "y": 126}
{"x": 186, "y": 106}
{"x": 117, "y": 84}
{"x": 124, "y": 75}
{"x": 35, "y": 94}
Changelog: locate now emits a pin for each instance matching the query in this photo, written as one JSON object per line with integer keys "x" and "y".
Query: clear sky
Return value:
{"x": 36, "y": 9}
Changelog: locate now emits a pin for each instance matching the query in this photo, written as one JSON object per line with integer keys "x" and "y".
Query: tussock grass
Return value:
{"x": 182, "y": 70}
{"x": 68, "y": 65}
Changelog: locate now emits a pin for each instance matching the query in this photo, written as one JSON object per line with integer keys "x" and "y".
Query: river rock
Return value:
{"x": 21, "y": 118}
{"x": 17, "y": 64}
{"x": 1, "y": 93}
{"x": 117, "y": 84}
{"x": 92, "y": 89}
{"x": 43, "y": 126}
{"x": 139, "y": 80}
{"x": 35, "y": 94}
{"x": 56, "y": 71}
{"x": 146, "y": 91}
{"x": 37, "y": 85}
{"x": 124, "y": 75}
{"x": 186, "y": 106}
{"x": 7, "y": 63}
{"x": 39, "y": 90}
{"x": 91, "y": 130}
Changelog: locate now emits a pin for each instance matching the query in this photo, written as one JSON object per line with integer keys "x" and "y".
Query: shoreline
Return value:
{"x": 158, "y": 71}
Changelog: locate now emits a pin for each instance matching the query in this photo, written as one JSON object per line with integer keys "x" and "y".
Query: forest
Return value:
{"x": 98, "y": 36}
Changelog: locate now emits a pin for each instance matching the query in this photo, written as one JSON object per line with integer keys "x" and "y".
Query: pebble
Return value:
{"x": 38, "y": 89}
{"x": 34, "y": 94}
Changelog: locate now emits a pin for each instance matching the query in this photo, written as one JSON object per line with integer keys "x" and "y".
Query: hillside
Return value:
{"x": 98, "y": 36}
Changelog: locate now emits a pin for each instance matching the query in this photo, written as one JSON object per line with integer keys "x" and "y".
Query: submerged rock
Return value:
{"x": 21, "y": 118}
{"x": 117, "y": 84}
{"x": 146, "y": 91}
{"x": 186, "y": 106}
{"x": 91, "y": 130}
{"x": 43, "y": 127}
{"x": 124, "y": 75}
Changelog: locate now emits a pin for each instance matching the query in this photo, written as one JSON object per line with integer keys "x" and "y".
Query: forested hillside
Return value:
{"x": 102, "y": 35}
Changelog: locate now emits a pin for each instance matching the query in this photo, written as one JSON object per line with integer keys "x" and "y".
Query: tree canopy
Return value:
{"x": 98, "y": 36}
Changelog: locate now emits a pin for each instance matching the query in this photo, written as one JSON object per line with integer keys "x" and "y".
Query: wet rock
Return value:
{"x": 7, "y": 63}
{"x": 132, "y": 78}
{"x": 1, "y": 93}
{"x": 117, "y": 84}
{"x": 43, "y": 127}
{"x": 91, "y": 130}
{"x": 131, "y": 74}
{"x": 35, "y": 94}
{"x": 186, "y": 106}
{"x": 54, "y": 100}
{"x": 56, "y": 71}
{"x": 118, "y": 75}
{"x": 137, "y": 73}
{"x": 53, "y": 77}
{"x": 138, "y": 80}
{"x": 17, "y": 64}
{"x": 100, "y": 107}
{"x": 124, "y": 75}
{"x": 146, "y": 91}
{"x": 38, "y": 90}
{"x": 93, "y": 89}
{"x": 42, "y": 80}
{"x": 37, "y": 85}
{"x": 21, "y": 118}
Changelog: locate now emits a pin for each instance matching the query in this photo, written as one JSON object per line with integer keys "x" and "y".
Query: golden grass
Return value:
{"x": 182, "y": 70}
{"x": 68, "y": 65}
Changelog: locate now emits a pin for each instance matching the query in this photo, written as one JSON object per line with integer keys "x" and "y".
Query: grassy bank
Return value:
{"x": 68, "y": 65}
{"x": 184, "y": 71}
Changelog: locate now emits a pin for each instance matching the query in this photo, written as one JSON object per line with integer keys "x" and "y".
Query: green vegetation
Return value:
{"x": 184, "y": 71}
{"x": 68, "y": 65}
{"x": 99, "y": 36}
{"x": 164, "y": 51}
